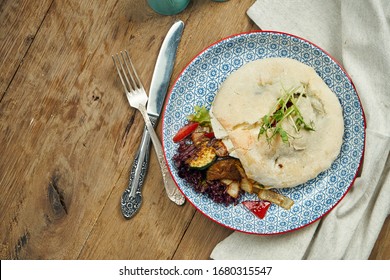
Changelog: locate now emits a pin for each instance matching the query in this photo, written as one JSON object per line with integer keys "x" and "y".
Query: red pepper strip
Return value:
{"x": 185, "y": 131}
{"x": 258, "y": 207}
{"x": 209, "y": 135}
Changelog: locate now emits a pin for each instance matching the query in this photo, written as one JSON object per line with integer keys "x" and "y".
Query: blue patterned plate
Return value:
{"x": 198, "y": 84}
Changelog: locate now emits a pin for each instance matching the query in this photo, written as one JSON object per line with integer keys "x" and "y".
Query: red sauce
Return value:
{"x": 258, "y": 207}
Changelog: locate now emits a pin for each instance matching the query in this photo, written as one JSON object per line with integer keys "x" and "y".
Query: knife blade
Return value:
{"x": 131, "y": 199}
{"x": 163, "y": 69}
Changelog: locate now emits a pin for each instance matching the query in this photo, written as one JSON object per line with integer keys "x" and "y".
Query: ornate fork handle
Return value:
{"x": 170, "y": 187}
{"x": 132, "y": 197}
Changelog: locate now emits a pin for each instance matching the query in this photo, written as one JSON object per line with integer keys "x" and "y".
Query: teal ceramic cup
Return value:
{"x": 168, "y": 7}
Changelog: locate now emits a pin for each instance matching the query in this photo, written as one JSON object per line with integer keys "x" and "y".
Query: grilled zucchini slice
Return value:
{"x": 203, "y": 158}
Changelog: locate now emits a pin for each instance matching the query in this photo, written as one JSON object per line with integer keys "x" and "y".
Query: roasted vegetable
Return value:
{"x": 233, "y": 189}
{"x": 199, "y": 137}
{"x": 245, "y": 184}
{"x": 277, "y": 198}
{"x": 224, "y": 169}
{"x": 257, "y": 187}
{"x": 202, "y": 158}
{"x": 219, "y": 147}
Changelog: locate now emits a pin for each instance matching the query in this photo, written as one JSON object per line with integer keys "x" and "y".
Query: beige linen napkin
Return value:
{"x": 357, "y": 34}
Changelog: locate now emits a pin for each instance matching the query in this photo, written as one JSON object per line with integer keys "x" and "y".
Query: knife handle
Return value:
{"x": 132, "y": 197}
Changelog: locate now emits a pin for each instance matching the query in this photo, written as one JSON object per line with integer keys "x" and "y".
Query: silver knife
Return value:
{"x": 132, "y": 197}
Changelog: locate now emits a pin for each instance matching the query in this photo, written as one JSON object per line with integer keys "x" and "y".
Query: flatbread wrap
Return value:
{"x": 278, "y": 150}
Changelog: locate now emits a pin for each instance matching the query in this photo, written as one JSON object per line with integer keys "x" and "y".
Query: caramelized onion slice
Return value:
{"x": 277, "y": 198}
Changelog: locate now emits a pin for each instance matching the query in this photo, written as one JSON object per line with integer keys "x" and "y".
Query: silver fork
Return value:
{"x": 137, "y": 98}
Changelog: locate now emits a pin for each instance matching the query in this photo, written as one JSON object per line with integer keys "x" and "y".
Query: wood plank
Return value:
{"x": 381, "y": 250}
{"x": 152, "y": 234}
{"x": 64, "y": 133}
{"x": 19, "y": 23}
{"x": 202, "y": 236}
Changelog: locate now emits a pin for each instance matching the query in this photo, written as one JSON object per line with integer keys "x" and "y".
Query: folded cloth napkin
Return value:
{"x": 356, "y": 33}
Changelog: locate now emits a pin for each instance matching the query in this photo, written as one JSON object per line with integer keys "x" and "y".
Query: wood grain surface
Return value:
{"x": 68, "y": 135}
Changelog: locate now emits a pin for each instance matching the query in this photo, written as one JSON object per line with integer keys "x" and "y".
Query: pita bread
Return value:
{"x": 250, "y": 93}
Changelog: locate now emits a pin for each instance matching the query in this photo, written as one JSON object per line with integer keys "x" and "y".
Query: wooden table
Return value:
{"x": 68, "y": 136}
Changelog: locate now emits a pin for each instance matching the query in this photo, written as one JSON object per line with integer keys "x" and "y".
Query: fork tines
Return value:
{"x": 125, "y": 68}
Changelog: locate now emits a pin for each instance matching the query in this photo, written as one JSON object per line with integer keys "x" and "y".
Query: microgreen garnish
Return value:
{"x": 285, "y": 108}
